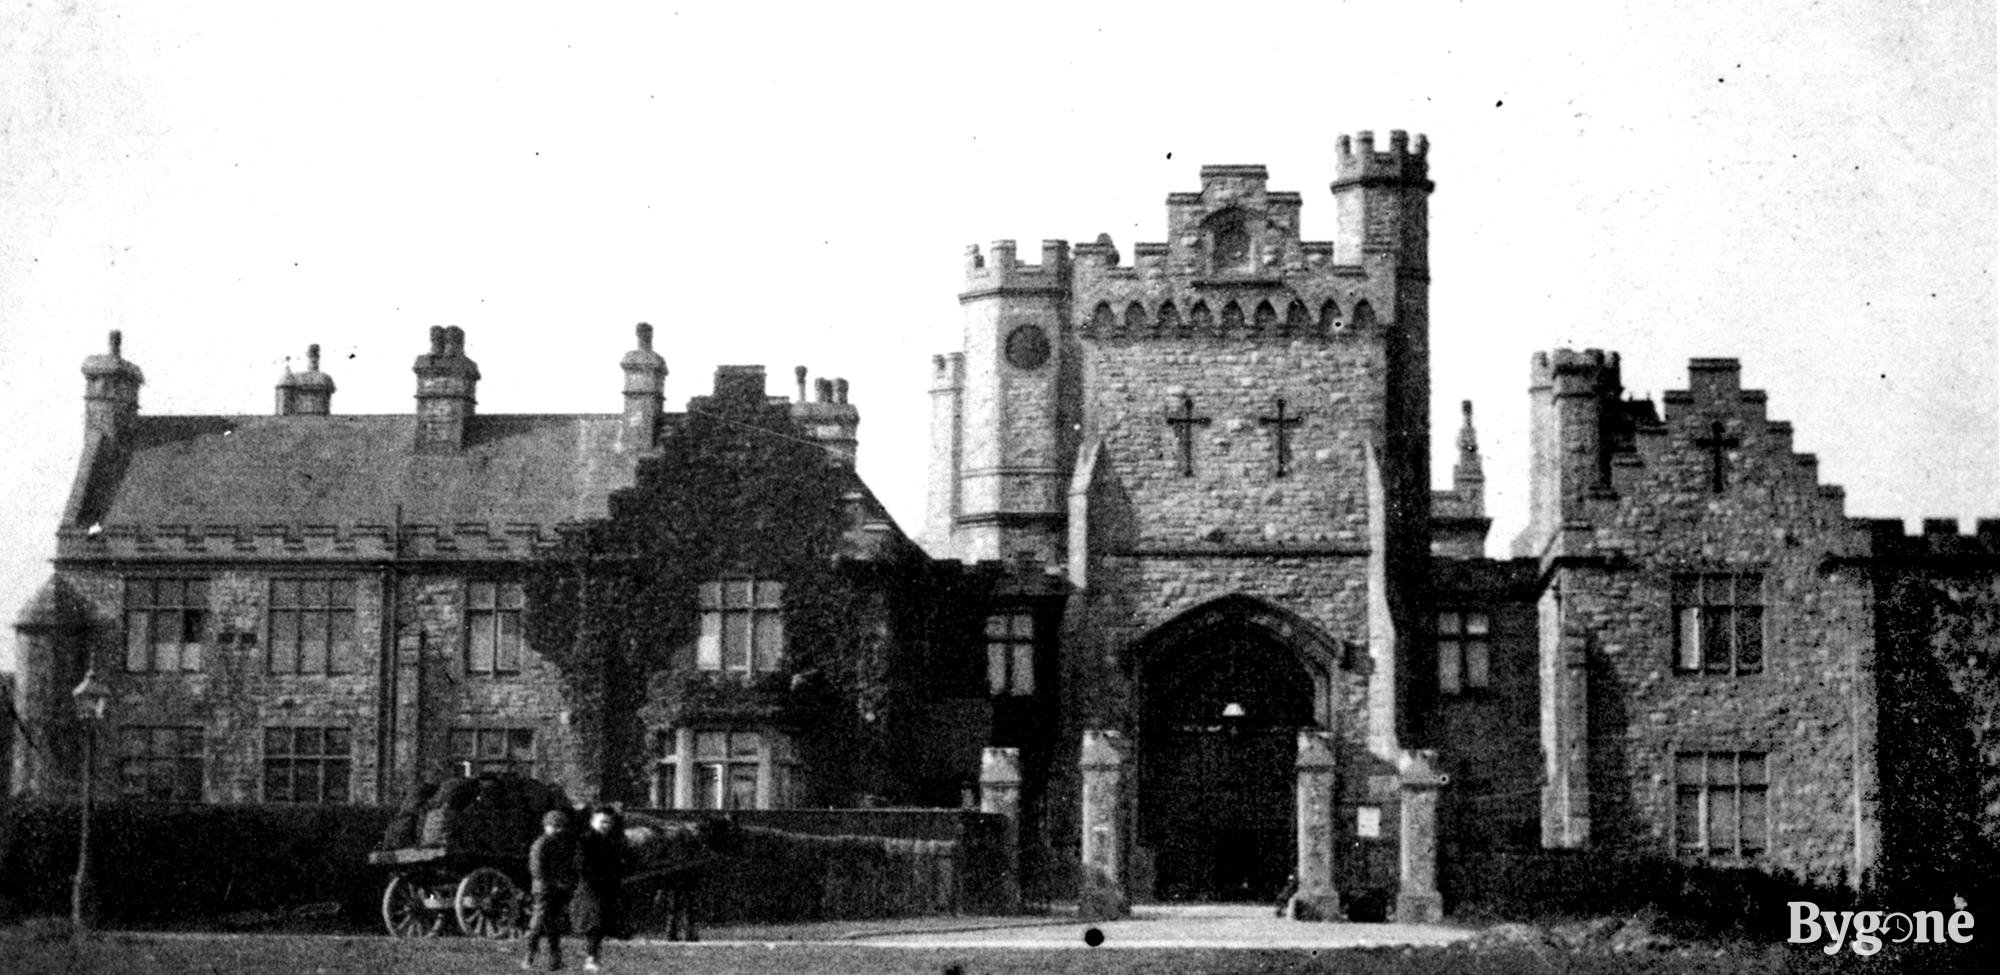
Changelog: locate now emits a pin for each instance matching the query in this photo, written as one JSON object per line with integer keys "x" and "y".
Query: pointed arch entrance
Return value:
{"x": 1223, "y": 692}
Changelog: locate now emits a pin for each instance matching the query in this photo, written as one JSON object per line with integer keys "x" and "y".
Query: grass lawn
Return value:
{"x": 26, "y": 952}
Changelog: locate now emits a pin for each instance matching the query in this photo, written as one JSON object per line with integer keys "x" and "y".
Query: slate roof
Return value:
{"x": 347, "y": 470}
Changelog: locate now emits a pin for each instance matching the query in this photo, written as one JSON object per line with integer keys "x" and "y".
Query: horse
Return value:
{"x": 671, "y": 860}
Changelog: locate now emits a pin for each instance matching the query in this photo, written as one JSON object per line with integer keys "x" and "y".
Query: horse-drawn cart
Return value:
{"x": 460, "y": 855}
{"x": 429, "y": 886}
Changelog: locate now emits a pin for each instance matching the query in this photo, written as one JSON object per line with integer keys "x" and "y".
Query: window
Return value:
{"x": 1010, "y": 655}
{"x": 742, "y": 627}
{"x": 312, "y": 626}
{"x": 165, "y": 620}
{"x": 1719, "y": 623}
{"x": 1464, "y": 657}
{"x": 1721, "y": 804}
{"x": 723, "y": 770}
{"x": 498, "y": 751}
{"x": 1232, "y": 246}
{"x": 306, "y": 765}
{"x": 162, "y": 764}
{"x": 493, "y": 627}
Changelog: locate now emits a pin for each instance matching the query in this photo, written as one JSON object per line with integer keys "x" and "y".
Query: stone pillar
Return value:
{"x": 1315, "y": 898}
{"x": 1000, "y": 794}
{"x": 1103, "y": 889}
{"x": 1417, "y": 897}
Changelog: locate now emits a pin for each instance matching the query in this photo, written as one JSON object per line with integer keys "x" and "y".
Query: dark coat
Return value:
{"x": 552, "y": 862}
{"x": 597, "y": 908}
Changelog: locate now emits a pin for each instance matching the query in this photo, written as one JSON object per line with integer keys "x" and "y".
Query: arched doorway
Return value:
{"x": 1223, "y": 697}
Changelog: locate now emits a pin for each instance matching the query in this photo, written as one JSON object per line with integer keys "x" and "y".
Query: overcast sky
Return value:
{"x": 1810, "y": 187}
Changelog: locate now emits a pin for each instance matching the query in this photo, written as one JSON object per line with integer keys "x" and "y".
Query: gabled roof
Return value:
{"x": 348, "y": 470}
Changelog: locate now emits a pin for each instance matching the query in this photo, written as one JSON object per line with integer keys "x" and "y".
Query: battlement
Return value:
{"x": 1358, "y": 164}
{"x": 1000, "y": 267}
{"x": 1939, "y": 538}
{"x": 1570, "y": 372}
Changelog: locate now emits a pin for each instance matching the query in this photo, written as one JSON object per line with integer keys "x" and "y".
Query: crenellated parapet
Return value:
{"x": 999, "y": 270}
{"x": 1358, "y": 164}
{"x": 1570, "y": 372}
{"x": 1938, "y": 543}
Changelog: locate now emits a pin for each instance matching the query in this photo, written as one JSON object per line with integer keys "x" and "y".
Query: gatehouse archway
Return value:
{"x": 1224, "y": 692}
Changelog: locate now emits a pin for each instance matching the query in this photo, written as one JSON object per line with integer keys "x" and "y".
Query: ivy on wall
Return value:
{"x": 735, "y": 490}
{"x": 1939, "y": 739}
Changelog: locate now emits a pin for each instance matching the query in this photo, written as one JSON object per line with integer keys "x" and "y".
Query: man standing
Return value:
{"x": 596, "y": 909}
{"x": 552, "y": 869}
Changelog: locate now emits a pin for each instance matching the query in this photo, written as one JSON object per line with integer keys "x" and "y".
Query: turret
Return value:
{"x": 1381, "y": 199}
{"x": 645, "y": 391}
{"x": 110, "y": 392}
{"x": 947, "y": 450}
{"x": 1016, "y": 432}
{"x": 1574, "y": 399}
{"x": 446, "y": 384}
{"x": 308, "y": 393}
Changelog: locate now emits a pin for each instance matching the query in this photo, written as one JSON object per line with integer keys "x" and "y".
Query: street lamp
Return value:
{"x": 92, "y": 698}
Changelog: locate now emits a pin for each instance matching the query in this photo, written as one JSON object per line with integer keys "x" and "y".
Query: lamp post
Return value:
{"x": 92, "y": 698}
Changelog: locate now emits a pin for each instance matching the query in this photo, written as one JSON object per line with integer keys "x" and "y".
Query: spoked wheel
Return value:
{"x": 490, "y": 905}
{"x": 406, "y": 911}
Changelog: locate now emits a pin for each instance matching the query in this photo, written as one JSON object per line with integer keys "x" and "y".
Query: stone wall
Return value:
{"x": 235, "y": 696}
{"x": 1620, "y": 545}
{"x": 1486, "y": 736}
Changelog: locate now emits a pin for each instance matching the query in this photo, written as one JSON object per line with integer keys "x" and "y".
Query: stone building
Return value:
{"x": 1181, "y": 551}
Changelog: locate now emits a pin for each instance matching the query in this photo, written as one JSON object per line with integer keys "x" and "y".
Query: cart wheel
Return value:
{"x": 489, "y": 905}
{"x": 404, "y": 912}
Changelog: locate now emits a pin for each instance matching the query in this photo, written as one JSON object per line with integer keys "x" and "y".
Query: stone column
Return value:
{"x": 1315, "y": 899}
{"x": 1417, "y": 897}
{"x": 1000, "y": 794}
{"x": 1103, "y": 889}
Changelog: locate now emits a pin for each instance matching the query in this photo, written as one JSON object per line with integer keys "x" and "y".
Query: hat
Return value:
{"x": 556, "y": 818}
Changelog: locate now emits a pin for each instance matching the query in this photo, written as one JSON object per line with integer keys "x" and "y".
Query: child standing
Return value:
{"x": 552, "y": 869}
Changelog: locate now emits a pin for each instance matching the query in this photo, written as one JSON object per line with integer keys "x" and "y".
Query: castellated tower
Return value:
{"x": 1223, "y": 443}
{"x": 1003, "y": 412}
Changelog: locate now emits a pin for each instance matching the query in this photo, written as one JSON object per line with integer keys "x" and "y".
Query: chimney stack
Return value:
{"x": 110, "y": 392}
{"x": 645, "y": 385}
{"x": 308, "y": 393}
{"x": 446, "y": 383}
{"x": 829, "y": 420}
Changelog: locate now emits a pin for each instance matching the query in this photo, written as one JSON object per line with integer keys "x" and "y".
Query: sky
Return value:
{"x": 1808, "y": 186}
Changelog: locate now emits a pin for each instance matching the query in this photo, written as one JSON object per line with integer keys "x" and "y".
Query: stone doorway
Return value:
{"x": 1221, "y": 711}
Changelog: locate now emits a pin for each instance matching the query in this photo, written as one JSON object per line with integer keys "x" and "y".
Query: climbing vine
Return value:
{"x": 735, "y": 490}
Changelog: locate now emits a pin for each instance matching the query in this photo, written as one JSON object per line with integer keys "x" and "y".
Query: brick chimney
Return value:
{"x": 110, "y": 392}
{"x": 308, "y": 393}
{"x": 446, "y": 382}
